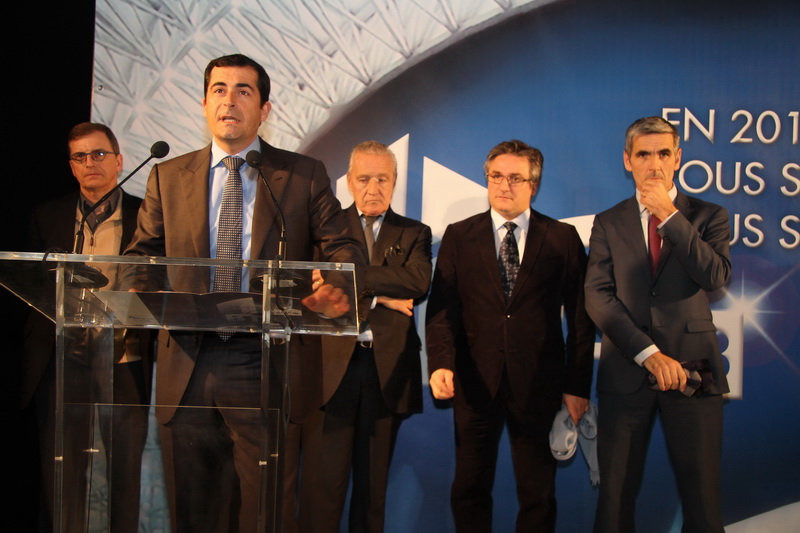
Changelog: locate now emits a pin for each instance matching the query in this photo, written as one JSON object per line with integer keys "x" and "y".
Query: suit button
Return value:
{"x": 653, "y": 294}
{"x": 645, "y": 329}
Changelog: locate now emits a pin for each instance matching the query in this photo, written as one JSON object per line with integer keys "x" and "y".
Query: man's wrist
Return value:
{"x": 642, "y": 356}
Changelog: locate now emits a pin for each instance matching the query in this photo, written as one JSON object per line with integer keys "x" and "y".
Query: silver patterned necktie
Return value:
{"x": 229, "y": 232}
{"x": 508, "y": 260}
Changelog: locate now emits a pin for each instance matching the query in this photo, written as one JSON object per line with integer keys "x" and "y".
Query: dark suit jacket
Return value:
{"x": 400, "y": 267}
{"x": 635, "y": 310}
{"x": 471, "y": 330}
{"x": 53, "y": 226}
{"x": 173, "y": 222}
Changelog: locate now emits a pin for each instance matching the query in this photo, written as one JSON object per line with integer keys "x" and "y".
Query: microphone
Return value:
{"x": 254, "y": 160}
{"x": 158, "y": 150}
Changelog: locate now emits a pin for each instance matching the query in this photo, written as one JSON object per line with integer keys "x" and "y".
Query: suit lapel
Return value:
{"x": 356, "y": 231}
{"x": 266, "y": 220}
{"x": 633, "y": 239}
{"x": 193, "y": 183}
{"x": 682, "y": 205}
{"x": 484, "y": 235}
{"x": 387, "y": 238}
{"x": 64, "y": 234}
{"x": 129, "y": 214}
{"x": 537, "y": 230}
{"x": 388, "y": 235}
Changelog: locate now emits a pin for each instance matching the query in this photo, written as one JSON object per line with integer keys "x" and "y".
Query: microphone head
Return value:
{"x": 159, "y": 149}
{"x": 253, "y": 158}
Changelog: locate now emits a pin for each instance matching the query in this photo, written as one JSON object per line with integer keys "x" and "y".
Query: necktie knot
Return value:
{"x": 510, "y": 226}
{"x": 232, "y": 163}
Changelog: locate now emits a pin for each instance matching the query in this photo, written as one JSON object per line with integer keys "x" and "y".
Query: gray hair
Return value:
{"x": 374, "y": 148}
{"x": 648, "y": 126}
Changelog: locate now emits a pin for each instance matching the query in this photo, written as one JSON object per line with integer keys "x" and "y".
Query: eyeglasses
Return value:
{"x": 97, "y": 155}
{"x": 513, "y": 179}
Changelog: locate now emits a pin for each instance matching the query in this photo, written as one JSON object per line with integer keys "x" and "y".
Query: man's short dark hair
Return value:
{"x": 87, "y": 128}
{"x": 649, "y": 126}
{"x": 240, "y": 60}
{"x": 519, "y": 148}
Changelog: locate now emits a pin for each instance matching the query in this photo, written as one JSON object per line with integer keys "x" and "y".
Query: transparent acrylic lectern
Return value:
{"x": 96, "y": 302}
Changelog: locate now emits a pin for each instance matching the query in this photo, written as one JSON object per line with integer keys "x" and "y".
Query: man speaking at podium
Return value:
{"x": 211, "y": 203}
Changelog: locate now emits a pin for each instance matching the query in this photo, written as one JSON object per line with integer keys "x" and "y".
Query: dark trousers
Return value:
{"x": 477, "y": 437}
{"x": 213, "y": 446}
{"x": 356, "y": 430}
{"x": 693, "y": 432}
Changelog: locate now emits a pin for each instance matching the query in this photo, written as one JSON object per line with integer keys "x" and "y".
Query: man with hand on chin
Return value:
{"x": 211, "y": 203}
{"x": 653, "y": 258}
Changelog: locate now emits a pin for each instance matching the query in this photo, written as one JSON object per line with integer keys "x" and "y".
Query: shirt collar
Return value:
{"x": 522, "y": 221}
{"x": 110, "y": 203}
{"x": 218, "y": 154}
{"x": 361, "y": 213}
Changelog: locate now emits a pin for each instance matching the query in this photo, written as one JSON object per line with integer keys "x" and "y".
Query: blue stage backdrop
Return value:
{"x": 568, "y": 77}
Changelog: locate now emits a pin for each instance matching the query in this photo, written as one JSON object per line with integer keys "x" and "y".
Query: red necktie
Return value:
{"x": 654, "y": 243}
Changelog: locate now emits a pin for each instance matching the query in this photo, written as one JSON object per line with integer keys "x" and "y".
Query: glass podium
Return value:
{"x": 100, "y": 304}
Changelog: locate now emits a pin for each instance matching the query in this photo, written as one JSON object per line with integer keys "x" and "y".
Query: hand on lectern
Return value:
{"x": 327, "y": 300}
